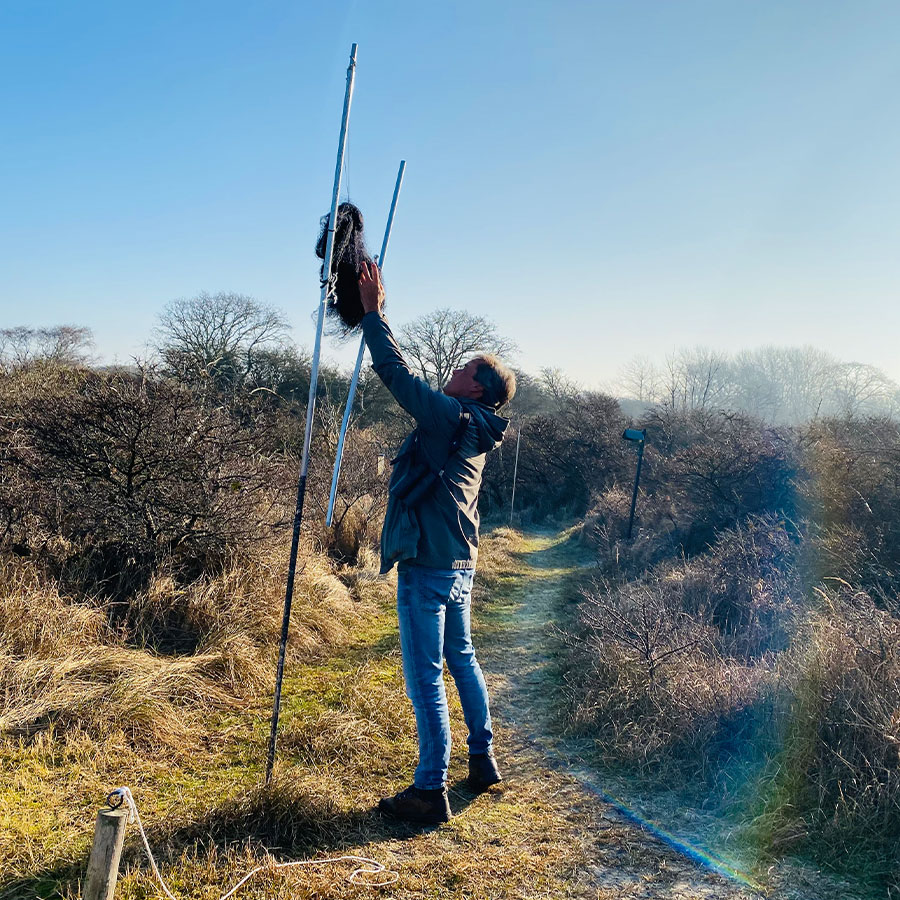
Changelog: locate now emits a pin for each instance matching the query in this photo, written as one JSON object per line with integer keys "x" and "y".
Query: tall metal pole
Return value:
{"x": 512, "y": 500}
{"x": 310, "y": 411}
{"x": 359, "y": 358}
{"x": 637, "y": 478}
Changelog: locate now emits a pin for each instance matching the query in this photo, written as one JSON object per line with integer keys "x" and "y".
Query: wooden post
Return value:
{"x": 103, "y": 866}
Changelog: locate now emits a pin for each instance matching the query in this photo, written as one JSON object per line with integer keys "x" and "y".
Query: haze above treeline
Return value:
{"x": 233, "y": 336}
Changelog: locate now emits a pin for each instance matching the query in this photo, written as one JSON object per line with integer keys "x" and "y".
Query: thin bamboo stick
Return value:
{"x": 359, "y": 359}
{"x": 512, "y": 499}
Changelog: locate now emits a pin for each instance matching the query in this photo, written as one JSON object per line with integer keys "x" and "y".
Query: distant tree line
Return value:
{"x": 780, "y": 385}
{"x": 65, "y": 344}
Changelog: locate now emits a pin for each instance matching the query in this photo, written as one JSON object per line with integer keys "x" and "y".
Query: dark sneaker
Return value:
{"x": 483, "y": 771}
{"x": 418, "y": 805}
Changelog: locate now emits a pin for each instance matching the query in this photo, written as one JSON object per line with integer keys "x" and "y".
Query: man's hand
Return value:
{"x": 371, "y": 290}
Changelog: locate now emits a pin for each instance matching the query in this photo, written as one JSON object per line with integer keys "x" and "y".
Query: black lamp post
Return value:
{"x": 638, "y": 437}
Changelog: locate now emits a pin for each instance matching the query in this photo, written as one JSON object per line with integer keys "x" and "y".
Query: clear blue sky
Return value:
{"x": 600, "y": 178}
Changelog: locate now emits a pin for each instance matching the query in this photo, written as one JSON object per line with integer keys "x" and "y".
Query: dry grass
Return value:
{"x": 176, "y": 650}
{"x": 244, "y": 600}
{"x": 348, "y": 738}
{"x": 779, "y": 699}
{"x": 152, "y": 700}
{"x": 833, "y": 788}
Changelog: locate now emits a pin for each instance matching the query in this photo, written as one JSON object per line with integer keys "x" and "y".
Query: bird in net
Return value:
{"x": 349, "y": 253}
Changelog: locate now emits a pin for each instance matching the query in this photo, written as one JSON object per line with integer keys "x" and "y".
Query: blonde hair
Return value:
{"x": 497, "y": 379}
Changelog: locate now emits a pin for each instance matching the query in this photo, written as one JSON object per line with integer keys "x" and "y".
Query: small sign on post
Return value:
{"x": 103, "y": 866}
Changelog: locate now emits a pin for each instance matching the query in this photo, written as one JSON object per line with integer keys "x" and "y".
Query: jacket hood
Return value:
{"x": 491, "y": 427}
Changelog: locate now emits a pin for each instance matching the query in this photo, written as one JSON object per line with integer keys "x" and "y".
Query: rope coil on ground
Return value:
{"x": 360, "y": 875}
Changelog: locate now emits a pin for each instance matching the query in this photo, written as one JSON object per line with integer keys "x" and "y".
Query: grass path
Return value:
{"x": 632, "y": 855}
{"x": 522, "y": 657}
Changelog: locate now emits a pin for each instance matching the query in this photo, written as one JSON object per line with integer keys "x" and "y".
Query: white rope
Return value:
{"x": 357, "y": 876}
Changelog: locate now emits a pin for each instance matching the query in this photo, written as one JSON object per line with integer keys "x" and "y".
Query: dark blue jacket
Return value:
{"x": 442, "y": 531}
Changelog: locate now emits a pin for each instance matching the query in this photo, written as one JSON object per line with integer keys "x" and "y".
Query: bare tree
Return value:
{"x": 220, "y": 336}
{"x": 640, "y": 379}
{"x": 808, "y": 378}
{"x": 436, "y": 343}
{"x": 758, "y": 388}
{"x": 559, "y": 387}
{"x": 64, "y": 344}
{"x": 696, "y": 379}
{"x": 640, "y": 621}
{"x": 860, "y": 389}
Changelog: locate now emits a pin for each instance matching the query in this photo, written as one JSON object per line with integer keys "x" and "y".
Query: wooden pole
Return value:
{"x": 103, "y": 866}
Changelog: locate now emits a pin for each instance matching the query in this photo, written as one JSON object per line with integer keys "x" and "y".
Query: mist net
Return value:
{"x": 344, "y": 304}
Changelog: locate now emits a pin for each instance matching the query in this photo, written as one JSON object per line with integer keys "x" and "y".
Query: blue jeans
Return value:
{"x": 433, "y": 607}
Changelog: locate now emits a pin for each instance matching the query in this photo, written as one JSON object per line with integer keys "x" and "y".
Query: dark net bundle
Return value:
{"x": 344, "y": 304}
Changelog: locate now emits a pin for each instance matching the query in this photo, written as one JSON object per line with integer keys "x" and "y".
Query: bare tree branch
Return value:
{"x": 220, "y": 336}
{"x": 437, "y": 343}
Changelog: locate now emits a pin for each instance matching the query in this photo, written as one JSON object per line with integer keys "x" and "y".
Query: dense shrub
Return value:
{"x": 748, "y": 588}
{"x": 671, "y": 665}
{"x": 853, "y": 497}
{"x": 703, "y": 472}
{"x": 564, "y": 457}
{"x": 107, "y": 473}
{"x": 715, "y": 469}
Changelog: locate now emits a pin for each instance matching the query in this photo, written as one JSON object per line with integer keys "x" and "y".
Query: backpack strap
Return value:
{"x": 465, "y": 417}
{"x": 420, "y": 479}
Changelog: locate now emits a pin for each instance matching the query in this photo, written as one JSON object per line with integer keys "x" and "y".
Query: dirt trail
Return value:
{"x": 626, "y": 859}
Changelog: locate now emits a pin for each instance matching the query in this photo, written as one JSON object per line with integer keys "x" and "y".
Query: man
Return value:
{"x": 431, "y": 532}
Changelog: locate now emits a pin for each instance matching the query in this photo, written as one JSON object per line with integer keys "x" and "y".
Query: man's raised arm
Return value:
{"x": 432, "y": 410}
